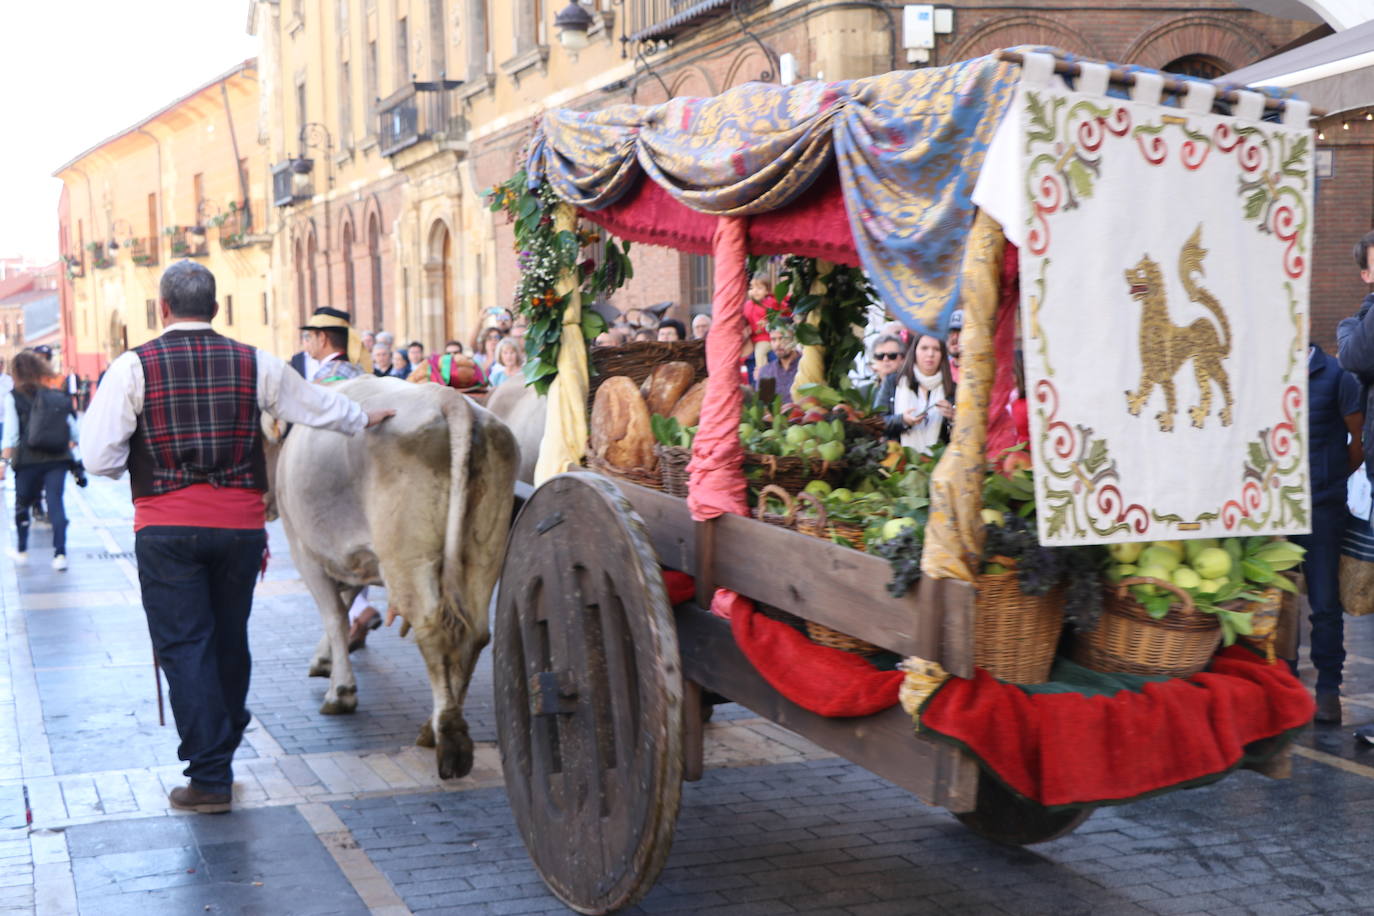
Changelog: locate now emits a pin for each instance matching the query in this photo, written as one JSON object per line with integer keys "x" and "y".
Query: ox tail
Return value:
{"x": 482, "y": 462}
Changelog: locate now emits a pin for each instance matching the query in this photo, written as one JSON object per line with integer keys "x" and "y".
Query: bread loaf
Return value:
{"x": 665, "y": 385}
{"x": 687, "y": 411}
{"x": 621, "y": 434}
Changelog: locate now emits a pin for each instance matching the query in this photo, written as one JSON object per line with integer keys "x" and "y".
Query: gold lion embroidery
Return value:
{"x": 1165, "y": 347}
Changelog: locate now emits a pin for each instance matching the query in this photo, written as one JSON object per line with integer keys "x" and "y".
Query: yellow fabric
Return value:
{"x": 922, "y": 679}
{"x": 811, "y": 371}
{"x": 954, "y": 533}
{"x": 565, "y": 431}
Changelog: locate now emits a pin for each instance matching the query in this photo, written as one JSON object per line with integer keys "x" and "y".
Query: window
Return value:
{"x": 372, "y": 92}
{"x": 301, "y": 118}
{"x": 478, "y": 40}
{"x": 402, "y": 52}
{"x": 243, "y": 182}
{"x": 698, "y": 281}
{"x": 374, "y": 263}
{"x": 438, "y": 44}
{"x": 350, "y": 293}
{"x": 311, "y": 255}
{"x": 228, "y": 309}
{"x": 152, "y": 222}
{"x": 150, "y": 305}
{"x": 345, "y": 107}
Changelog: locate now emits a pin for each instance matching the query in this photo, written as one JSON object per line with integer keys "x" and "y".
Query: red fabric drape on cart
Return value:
{"x": 717, "y": 485}
{"x": 814, "y": 225}
{"x": 1002, "y": 432}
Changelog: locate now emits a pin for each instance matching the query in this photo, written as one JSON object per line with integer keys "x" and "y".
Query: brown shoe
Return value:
{"x": 1328, "y": 708}
{"x": 189, "y": 798}
{"x": 370, "y": 619}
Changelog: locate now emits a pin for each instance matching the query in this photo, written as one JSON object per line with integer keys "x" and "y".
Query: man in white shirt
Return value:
{"x": 181, "y": 413}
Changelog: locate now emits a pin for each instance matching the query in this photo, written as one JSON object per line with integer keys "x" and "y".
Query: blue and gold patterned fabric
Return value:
{"x": 908, "y": 146}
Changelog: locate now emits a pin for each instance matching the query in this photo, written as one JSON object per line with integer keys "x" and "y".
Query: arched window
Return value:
{"x": 302, "y": 304}
{"x": 1203, "y": 66}
{"x": 350, "y": 292}
{"x": 311, "y": 254}
{"x": 374, "y": 263}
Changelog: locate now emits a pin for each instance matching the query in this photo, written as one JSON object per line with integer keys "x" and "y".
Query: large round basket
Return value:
{"x": 1014, "y": 634}
{"x": 1128, "y": 640}
{"x": 814, "y": 521}
{"x": 793, "y": 472}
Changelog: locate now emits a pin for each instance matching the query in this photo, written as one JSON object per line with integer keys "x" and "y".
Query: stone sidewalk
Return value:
{"x": 345, "y": 815}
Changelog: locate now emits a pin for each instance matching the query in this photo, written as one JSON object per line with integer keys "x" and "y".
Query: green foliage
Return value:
{"x": 840, "y": 308}
{"x": 545, "y": 255}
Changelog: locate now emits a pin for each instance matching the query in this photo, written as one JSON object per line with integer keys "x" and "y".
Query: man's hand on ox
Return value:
{"x": 376, "y": 416}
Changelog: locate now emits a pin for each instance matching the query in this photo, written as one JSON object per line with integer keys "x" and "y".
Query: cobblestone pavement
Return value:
{"x": 345, "y": 815}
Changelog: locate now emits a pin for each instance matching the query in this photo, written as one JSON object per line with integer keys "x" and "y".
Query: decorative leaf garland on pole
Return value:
{"x": 842, "y": 306}
{"x": 543, "y": 253}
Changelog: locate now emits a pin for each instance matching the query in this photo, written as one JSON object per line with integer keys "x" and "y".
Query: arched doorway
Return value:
{"x": 119, "y": 336}
{"x": 350, "y": 291}
{"x": 374, "y": 266}
{"x": 302, "y": 304}
{"x": 312, "y": 251}
{"x": 439, "y": 318}
{"x": 1203, "y": 66}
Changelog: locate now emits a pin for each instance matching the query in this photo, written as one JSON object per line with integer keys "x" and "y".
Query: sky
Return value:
{"x": 74, "y": 72}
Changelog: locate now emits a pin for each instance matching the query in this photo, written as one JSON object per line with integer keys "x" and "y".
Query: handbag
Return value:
{"x": 1357, "y": 568}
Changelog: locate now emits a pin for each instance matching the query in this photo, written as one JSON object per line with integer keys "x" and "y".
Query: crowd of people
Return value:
{"x": 496, "y": 353}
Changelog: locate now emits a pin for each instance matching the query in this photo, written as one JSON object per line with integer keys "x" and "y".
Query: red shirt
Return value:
{"x": 756, "y": 313}
{"x": 230, "y": 507}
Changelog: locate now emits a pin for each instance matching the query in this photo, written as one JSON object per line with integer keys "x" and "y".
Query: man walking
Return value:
{"x": 181, "y": 412}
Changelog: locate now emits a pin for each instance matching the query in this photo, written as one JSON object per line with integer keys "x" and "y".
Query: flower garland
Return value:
{"x": 543, "y": 254}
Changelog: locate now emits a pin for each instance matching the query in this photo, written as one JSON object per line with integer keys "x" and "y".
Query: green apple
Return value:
{"x": 1126, "y": 553}
{"x": 1210, "y": 586}
{"x": 831, "y": 451}
{"x": 1154, "y": 572}
{"x": 1161, "y": 556}
{"x": 746, "y": 430}
{"x": 796, "y": 435}
{"x": 819, "y": 488}
{"x": 992, "y": 517}
{"x": 842, "y": 494}
{"x": 1195, "y": 547}
{"x": 895, "y": 526}
{"x": 1175, "y": 546}
{"x": 1212, "y": 563}
{"x": 1185, "y": 578}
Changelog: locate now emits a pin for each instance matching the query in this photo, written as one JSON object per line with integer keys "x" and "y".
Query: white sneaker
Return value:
{"x": 20, "y": 557}
{"x": 59, "y": 562}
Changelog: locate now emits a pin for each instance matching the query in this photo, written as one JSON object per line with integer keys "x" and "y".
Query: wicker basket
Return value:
{"x": 816, "y": 522}
{"x": 1127, "y": 639}
{"x": 672, "y": 468}
{"x": 637, "y": 359}
{"x": 649, "y": 477}
{"x": 787, "y": 518}
{"x": 793, "y": 472}
{"x": 1014, "y": 634}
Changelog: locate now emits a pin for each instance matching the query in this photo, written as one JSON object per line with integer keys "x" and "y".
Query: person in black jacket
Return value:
{"x": 36, "y": 470}
{"x": 1355, "y": 343}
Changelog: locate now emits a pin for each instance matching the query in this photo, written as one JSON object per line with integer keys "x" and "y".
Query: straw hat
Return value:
{"x": 326, "y": 317}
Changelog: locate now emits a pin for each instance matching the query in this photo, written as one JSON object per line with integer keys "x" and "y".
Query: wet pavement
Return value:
{"x": 345, "y": 815}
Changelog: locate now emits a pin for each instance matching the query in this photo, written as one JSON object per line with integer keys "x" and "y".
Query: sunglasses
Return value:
{"x": 887, "y": 356}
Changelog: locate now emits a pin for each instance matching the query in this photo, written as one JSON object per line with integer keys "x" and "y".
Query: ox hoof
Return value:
{"x": 455, "y": 758}
{"x": 321, "y": 668}
{"x": 426, "y": 736}
{"x": 344, "y": 703}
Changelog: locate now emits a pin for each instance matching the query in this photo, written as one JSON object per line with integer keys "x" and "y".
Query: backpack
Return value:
{"x": 46, "y": 429}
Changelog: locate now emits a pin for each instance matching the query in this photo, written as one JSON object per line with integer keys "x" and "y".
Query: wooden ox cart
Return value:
{"x": 600, "y": 679}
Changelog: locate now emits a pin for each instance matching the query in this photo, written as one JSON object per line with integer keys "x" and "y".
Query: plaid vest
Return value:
{"x": 200, "y": 415}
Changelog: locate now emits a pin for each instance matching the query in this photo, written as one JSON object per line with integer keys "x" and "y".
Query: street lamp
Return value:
{"x": 572, "y": 23}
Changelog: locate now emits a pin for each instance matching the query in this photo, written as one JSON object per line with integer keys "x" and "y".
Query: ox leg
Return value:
{"x": 450, "y": 662}
{"x": 322, "y": 662}
{"x": 342, "y": 695}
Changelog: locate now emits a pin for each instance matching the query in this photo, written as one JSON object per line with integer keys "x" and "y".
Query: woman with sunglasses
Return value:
{"x": 922, "y": 405}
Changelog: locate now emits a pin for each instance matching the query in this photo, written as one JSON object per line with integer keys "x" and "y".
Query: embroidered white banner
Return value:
{"x": 1165, "y": 259}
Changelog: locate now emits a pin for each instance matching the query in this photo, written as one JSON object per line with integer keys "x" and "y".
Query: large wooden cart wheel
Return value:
{"x": 1005, "y": 817}
{"x": 588, "y": 694}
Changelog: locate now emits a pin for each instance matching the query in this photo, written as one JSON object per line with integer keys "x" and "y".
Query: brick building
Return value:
{"x": 186, "y": 182}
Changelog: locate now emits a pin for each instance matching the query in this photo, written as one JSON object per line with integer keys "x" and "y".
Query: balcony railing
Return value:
{"x": 291, "y": 182}
{"x": 420, "y": 111}
{"x": 662, "y": 20}
{"x": 144, "y": 251}
{"x": 100, "y": 258}
{"x": 235, "y": 226}
{"x": 188, "y": 241}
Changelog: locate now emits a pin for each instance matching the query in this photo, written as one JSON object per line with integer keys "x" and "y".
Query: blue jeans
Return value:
{"x": 30, "y": 482}
{"x": 197, "y": 593}
{"x": 1321, "y": 567}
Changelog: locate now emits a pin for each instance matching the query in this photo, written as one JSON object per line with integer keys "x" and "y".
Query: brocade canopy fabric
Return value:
{"x": 907, "y": 146}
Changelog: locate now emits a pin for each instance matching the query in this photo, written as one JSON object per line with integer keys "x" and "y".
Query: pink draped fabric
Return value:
{"x": 717, "y": 482}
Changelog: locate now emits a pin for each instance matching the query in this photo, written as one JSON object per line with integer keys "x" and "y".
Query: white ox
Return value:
{"x": 524, "y": 411}
{"x": 421, "y": 504}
